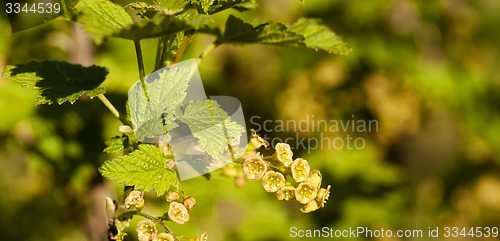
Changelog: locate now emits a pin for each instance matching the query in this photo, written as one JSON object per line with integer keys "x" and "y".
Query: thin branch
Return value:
{"x": 110, "y": 106}
{"x": 155, "y": 219}
{"x": 159, "y": 53}
{"x": 205, "y": 52}
{"x": 183, "y": 47}
{"x": 113, "y": 110}
{"x": 140, "y": 63}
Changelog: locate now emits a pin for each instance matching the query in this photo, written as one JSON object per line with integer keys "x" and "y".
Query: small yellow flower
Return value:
{"x": 310, "y": 207}
{"x": 300, "y": 170}
{"x": 172, "y": 196}
{"x": 323, "y": 195}
{"x": 203, "y": 237}
{"x": 178, "y": 213}
{"x": 256, "y": 141}
{"x": 189, "y": 202}
{"x": 135, "y": 198}
{"x": 146, "y": 229}
{"x": 254, "y": 167}
{"x": 163, "y": 237}
{"x": 284, "y": 153}
{"x": 286, "y": 193}
{"x": 273, "y": 181}
{"x": 315, "y": 178}
{"x": 305, "y": 192}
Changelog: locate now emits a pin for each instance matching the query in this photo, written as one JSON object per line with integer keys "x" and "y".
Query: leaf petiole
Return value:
{"x": 140, "y": 63}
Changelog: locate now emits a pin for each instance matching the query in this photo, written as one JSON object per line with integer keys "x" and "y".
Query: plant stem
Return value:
{"x": 140, "y": 63}
{"x": 110, "y": 106}
{"x": 145, "y": 215}
{"x": 159, "y": 53}
{"x": 205, "y": 52}
{"x": 157, "y": 220}
{"x": 183, "y": 47}
{"x": 113, "y": 110}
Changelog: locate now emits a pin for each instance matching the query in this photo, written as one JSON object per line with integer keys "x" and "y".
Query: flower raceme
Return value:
{"x": 273, "y": 171}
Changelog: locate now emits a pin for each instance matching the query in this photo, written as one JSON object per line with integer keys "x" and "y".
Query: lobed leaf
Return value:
{"x": 308, "y": 33}
{"x": 211, "y": 125}
{"x": 144, "y": 168}
{"x": 167, "y": 90}
{"x": 116, "y": 144}
{"x": 101, "y": 18}
{"x": 318, "y": 36}
{"x": 237, "y": 31}
{"x": 172, "y": 6}
{"x": 58, "y": 82}
{"x": 215, "y": 6}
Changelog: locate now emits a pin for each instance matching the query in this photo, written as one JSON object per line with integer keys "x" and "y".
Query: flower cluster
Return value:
{"x": 178, "y": 211}
{"x": 146, "y": 229}
{"x": 272, "y": 172}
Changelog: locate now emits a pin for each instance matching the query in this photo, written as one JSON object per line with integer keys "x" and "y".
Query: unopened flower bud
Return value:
{"x": 254, "y": 167}
{"x": 172, "y": 196}
{"x": 189, "y": 202}
{"x": 305, "y": 192}
{"x": 146, "y": 229}
{"x": 125, "y": 129}
{"x": 163, "y": 237}
{"x": 110, "y": 207}
{"x": 135, "y": 198}
{"x": 283, "y": 154}
{"x": 300, "y": 170}
{"x": 286, "y": 193}
{"x": 178, "y": 213}
{"x": 273, "y": 181}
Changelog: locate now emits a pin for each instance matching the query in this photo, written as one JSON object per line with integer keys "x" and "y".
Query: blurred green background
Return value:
{"x": 427, "y": 71}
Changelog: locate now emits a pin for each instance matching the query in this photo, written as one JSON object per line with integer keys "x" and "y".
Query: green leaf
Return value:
{"x": 144, "y": 10}
{"x": 144, "y": 168}
{"x": 237, "y": 31}
{"x": 172, "y": 6}
{"x": 116, "y": 144}
{"x": 164, "y": 25}
{"x": 171, "y": 44}
{"x": 101, "y": 18}
{"x": 211, "y": 125}
{"x": 215, "y": 6}
{"x": 156, "y": 27}
{"x": 167, "y": 90}
{"x": 203, "y": 5}
{"x": 308, "y": 33}
{"x": 245, "y": 6}
{"x": 318, "y": 36}
{"x": 58, "y": 81}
